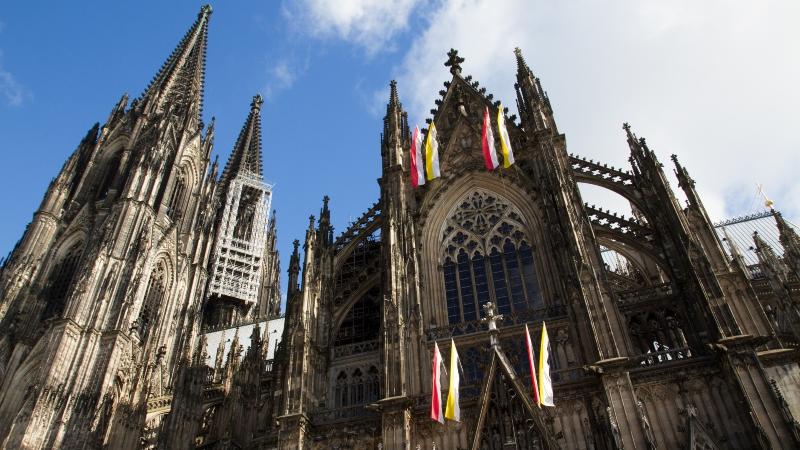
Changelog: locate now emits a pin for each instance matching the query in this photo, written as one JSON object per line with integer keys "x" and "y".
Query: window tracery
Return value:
{"x": 659, "y": 335}
{"x": 60, "y": 281}
{"x": 175, "y": 207}
{"x": 153, "y": 299}
{"x": 362, "y": 321}
{"x": 356, "y": 386}
{"x": 487, "y": 256}
{"x": 109, "y": 175}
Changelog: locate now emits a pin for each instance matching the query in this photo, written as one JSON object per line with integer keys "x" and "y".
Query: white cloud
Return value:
{"x": 282, "y": 75}
{"x": 11, "y": 90}
{"x": 368, "y": 23}
{"x": 714, "y": 82}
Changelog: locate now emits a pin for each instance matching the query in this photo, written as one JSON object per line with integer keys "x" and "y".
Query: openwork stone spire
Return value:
{"x": 180, "y": 79}
{"x": 242, "y": 234}
{"x": 246, "y": 154}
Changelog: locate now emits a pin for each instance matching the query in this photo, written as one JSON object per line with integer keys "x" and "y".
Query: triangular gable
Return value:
{"x": 507, "y": 418}
{"x": 699, "y": 439}
{"x": 451, "y": 121}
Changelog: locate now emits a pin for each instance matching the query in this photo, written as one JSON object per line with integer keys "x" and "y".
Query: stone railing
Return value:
{"x": 346, "y": 413}
{"x": 661, "y": 357}
{"x": 357, "y": 227}
{"x": 341, "y": 351}
{"x": 628, "y": 298}
{"x": 475, "y": 326}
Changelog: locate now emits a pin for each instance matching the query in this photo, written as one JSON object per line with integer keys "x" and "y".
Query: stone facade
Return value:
{"x": 103, "y": 308}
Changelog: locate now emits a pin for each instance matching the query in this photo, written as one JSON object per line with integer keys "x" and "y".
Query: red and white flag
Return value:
{"x": 529, "y": 345}
{"x": 417, "y": 163}
{"x": 436, "y": 386}
{"x": 489, "y": 153}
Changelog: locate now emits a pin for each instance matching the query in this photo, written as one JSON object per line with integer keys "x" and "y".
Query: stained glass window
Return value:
{"x": 487, "y": 256}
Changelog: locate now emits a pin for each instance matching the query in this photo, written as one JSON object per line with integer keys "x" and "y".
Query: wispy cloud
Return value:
{"x": 370, "y": 24}
{"x": 11, "y": 90}
{"x": 712, "y": 81}
{"x": 281, "y": 75}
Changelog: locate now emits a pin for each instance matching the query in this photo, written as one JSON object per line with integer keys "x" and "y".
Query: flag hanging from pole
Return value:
{"x": 453, "y": 409}
{"x": 545, "y": 384}
{"x": 432, "y": 154}
{"x": 436, "y": 386}
{"x": 529, "y": 346}
{"x": 505, "y": 141}
{"x": 487, "y": 140}
{"x": 417, "y": 171}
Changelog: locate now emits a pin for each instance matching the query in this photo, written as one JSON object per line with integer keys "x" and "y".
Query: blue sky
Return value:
{"x": 71, "y": 64}
{"x": 714, "y": 82}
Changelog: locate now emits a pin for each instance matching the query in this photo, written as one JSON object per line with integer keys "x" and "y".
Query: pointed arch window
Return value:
{"x": 362, "y": 322}
{"x": 154, "y": 298}
{"x": 61, "y": 280}
{"x": 109, "y": 175}
{"x": 341, "y": 390}
{"x": 360, "y": 387}
{"x": 176, "y": 199}
{"x": 487, "y": 256}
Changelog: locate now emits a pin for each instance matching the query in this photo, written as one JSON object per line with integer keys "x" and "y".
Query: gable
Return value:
{"x": 507, "y": 417}
{"x": 459, "y": 124}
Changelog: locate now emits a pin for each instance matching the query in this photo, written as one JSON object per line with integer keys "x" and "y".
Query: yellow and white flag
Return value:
{"x": 545, "y": 384}
{"x": 453, "y": 410}
{"x": 505, "y": 141}
{"x": 432, "y": 154}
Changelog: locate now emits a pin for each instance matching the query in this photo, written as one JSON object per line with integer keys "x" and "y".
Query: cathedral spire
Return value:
{"x": 180, "y": 79}
{"x": 532, "y": 101}
{"x": 685, "y": 181}
{"x": 325, "y": 228}
{"x": 246, "y": 154}
{"x": 395, "y": 129}
{"x": 736, "y": 254}
{"x": 790, "y": 242}
{"x": 294, "y": 270}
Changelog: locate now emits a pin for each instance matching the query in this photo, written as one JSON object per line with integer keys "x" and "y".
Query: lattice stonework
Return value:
{"x": 486, "y": 255}
{"x": 240, "y": 245}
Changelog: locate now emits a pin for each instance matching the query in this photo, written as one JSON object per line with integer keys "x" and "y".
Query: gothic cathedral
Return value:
{"x": 143, "y": 257}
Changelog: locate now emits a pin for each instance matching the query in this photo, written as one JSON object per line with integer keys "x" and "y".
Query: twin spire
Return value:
{"x": 178, "y": 85}
{"x": 246, "y": 154}
{"x": 180, "y": 79}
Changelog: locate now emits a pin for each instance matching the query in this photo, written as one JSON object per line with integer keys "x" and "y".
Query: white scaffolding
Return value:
{"x": 237, "y": 259}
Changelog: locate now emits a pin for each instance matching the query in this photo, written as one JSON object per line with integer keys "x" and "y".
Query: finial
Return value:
{"x": 296, "y": 245}
{"x": 626, "y": 126}
{"x": 206, "y": 10}
{"x": 311, "y": 221}
{"x": 393, "y": 92}
{"x": 325, "y": 201}
{"x": 255, "y": 105}
{"x": 454, "y": 62}
{"x": 520, "y": 59}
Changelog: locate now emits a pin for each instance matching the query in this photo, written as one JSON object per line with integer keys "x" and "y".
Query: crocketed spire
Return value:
{"x": 246, "y": 154}
{"x": 180, "y": 80}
